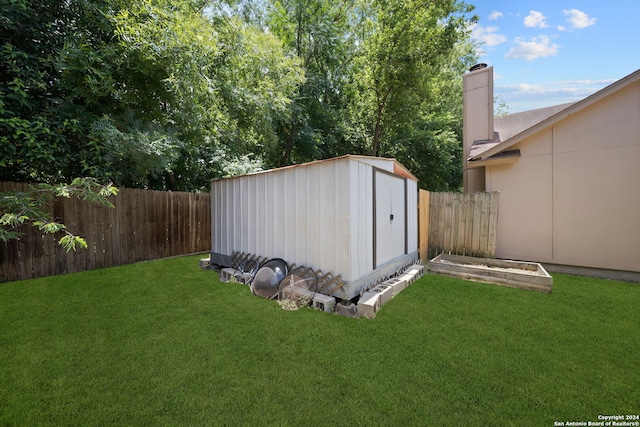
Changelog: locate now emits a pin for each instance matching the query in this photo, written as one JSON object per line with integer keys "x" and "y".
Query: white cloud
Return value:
{"x": 561, "y": 28}
{"x": 578, "y": 19}
{"x": 522, "y": 88}
{"x": 525, "y": 96}
{"x": 537, "y": 47}
{"x": 574, "y": 88}
{"x": 495, "y": 15}
{"x": 549, "y": 90}
{"x": 487, "y": 35}
{"x": 535, "y": 19}
{"x": 598, "y": 83}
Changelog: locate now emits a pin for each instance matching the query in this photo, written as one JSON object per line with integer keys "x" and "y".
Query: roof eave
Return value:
{"x": 584, "y": 103}
{"x": 499, "y": 159}
{"x": 398, "y": 168}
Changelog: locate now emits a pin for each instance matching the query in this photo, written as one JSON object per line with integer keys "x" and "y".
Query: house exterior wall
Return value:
{"x": 572, "y": 198}
{"x": 525, "y": 217}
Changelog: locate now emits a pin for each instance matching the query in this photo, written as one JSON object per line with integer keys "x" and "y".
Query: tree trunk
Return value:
{"x": 377, "y": 131}
{"x": 286, "y": 158}
{"x": 376, "y": 134}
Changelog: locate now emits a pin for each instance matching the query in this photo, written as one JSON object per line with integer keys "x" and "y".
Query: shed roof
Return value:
{"x": 397, "y": 168}
{"x": 512, "y": 130}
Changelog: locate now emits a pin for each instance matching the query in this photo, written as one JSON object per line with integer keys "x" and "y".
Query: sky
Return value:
{"x": 549, "y": 52}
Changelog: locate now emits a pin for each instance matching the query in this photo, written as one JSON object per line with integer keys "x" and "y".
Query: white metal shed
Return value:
{"x": 354, "y": 216}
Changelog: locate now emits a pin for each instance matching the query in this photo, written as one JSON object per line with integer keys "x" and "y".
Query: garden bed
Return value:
{"x": 517, "y": 274}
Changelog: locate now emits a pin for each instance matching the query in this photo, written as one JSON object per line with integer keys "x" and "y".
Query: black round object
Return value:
{"x": 268, "y": 277}
{"x": 478, "y": 67}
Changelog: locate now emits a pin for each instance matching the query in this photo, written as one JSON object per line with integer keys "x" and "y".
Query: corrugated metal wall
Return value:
{"x": 361, "y": 201}
{"x": 318, "y": 214}
{"x": 299, "y": 214}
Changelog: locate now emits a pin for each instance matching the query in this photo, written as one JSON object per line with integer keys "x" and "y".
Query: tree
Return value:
{"x": 405, "y": 44}
{"x": 500, "y": 107}
{"x": 20, "y": 207}
{"x": 222, "y": 85}
{"x": 259, "y": 81}
{"x": 40, "y": 139}
{"x": 430, "y": 144}
{"x": 168, "y": 94}
{"x": 317, "y": 32}
{"x": 66, "y": 108}
{"x": 143, "y": 93}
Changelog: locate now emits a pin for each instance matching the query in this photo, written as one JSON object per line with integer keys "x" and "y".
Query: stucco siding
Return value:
{"x": 525, "y": 216}
{"x": 540, "y": 144}
{"x": 572, "y": 198}
{"x": 478, "y": 121}
{"x": 612, "y": 122}
{"x": 597, "y": 152}
{"x": 597, "y": 205}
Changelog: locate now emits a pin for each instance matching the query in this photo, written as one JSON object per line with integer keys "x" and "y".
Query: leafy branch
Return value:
{"x": 20, "y": 207}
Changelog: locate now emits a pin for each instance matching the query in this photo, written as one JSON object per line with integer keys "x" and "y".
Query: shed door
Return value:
{"x": 390, "y": 219}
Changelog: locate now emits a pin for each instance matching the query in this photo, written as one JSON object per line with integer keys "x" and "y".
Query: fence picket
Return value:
{"x": 463, "y": 224}
{"x": 477, "y": 223}
{"x": 143, "y": 225}
{"x": 493, "y": 222}
{"x": 470, "y": 207}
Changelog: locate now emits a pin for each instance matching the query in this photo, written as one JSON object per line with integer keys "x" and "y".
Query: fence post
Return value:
{"x": 423, "y": 225}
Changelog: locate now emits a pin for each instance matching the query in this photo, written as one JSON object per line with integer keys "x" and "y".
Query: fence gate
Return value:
{"x": 461, "y": 224}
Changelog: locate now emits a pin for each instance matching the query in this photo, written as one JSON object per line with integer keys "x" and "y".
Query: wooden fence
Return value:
{"x": 144, "y": 225}
{"x": 460, "y": 224}
{"x": 147, "y": 225}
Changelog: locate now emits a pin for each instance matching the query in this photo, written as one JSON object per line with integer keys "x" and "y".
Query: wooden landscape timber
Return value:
{"x": 517, "y": 274}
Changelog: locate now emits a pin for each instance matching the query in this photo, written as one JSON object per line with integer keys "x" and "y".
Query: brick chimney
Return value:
{"x": 477, "y": 120}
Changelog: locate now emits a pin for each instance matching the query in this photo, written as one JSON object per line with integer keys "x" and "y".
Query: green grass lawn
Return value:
{"x": 165, "y": 343}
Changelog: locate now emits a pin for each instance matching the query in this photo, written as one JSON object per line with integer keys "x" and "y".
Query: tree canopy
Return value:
{"x": 168, "y": 94}
{"x": 29, "y": 206}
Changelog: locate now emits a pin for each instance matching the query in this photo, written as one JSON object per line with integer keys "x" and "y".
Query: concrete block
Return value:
{"x": 369, "y": 304}
{"x": 226, "y": 274}
{"x": 385, "y": 291}
{"x": 412, "y": 273}
{"x": 324, "y": 303}
{"x": 244, "y": 278}
{"x": 417, "y": 270}
{"x": 397, "y": 285}
{"x": 204, "y": 263}
{"x": 408, "y": 278}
